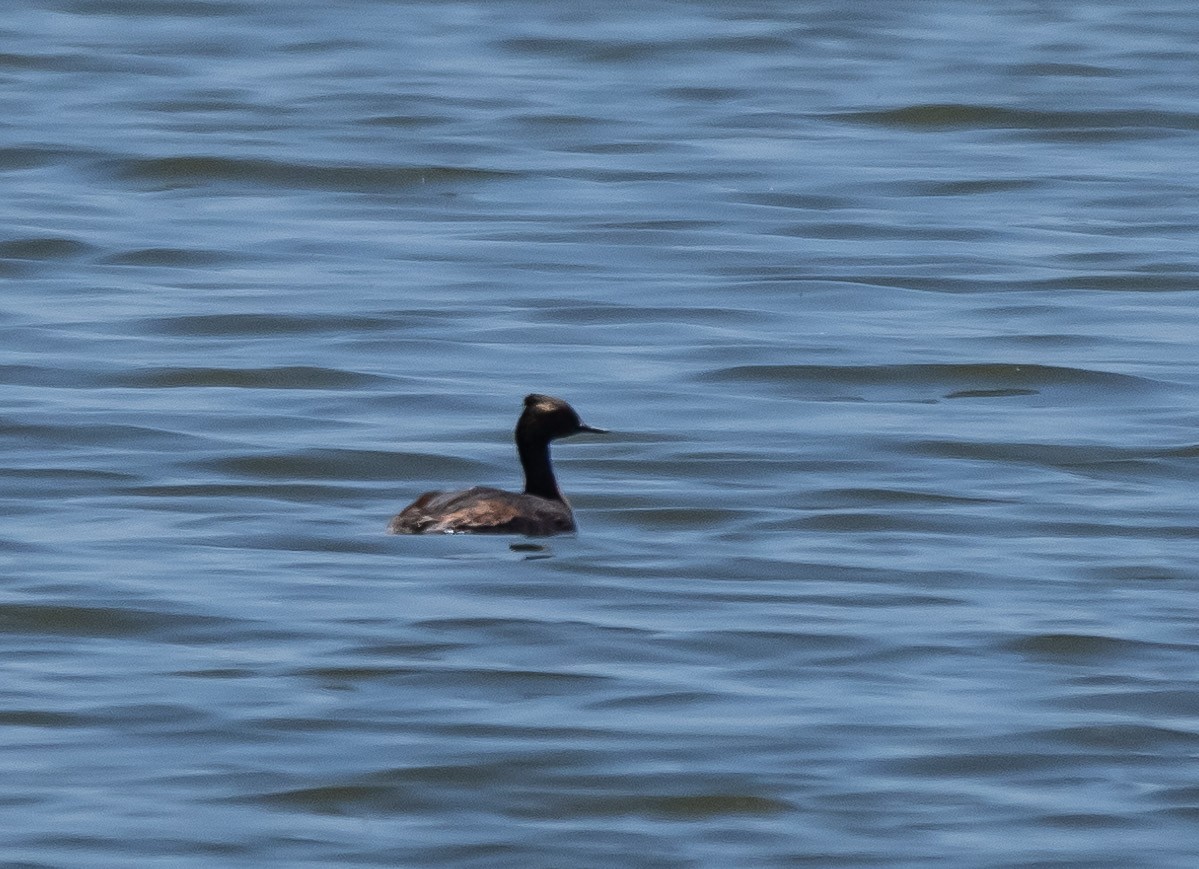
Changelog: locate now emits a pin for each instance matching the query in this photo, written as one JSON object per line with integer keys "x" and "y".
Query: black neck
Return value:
{"x": 539, "y": 474}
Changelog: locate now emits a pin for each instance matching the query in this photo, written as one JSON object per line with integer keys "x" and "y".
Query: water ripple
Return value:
{"x": 44, "y": 248}
{"x": 343, "y": 464}
{"x": 193, "y": 171}
{"x": 974, "y": 380}
{"x": 950, "y": 116}
{"x": 263, "y": 324}
{"x": 83, "y": 621}
{"x": 285, "y": 377}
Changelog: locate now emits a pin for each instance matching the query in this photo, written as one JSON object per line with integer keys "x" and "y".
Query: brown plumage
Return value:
{"x": 539, "y": 510}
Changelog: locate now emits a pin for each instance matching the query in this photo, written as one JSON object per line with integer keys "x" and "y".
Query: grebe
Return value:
{"x": 539, "y": 510}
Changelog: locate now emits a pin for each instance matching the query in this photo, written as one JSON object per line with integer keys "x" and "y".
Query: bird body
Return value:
{"x": 539, "y": 510}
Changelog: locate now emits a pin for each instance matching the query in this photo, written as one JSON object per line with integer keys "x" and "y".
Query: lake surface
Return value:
{"x": 890, "y": 558}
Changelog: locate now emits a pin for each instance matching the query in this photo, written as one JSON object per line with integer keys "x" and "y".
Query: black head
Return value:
{"x": 547, "y": 418}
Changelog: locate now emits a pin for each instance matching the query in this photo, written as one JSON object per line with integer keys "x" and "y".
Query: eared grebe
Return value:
{"x": 540, "y": 509}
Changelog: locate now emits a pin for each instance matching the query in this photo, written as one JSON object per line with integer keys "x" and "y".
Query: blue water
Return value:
{"x": 889, "y": 559}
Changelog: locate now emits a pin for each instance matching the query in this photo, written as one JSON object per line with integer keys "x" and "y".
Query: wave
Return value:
{"x": 201, "y": 170}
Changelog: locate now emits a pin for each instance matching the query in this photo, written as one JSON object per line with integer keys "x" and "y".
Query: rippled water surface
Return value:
{"x": 889, "y": 560}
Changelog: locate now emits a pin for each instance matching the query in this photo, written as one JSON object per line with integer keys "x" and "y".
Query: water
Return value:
{"x": 889, "y": 560}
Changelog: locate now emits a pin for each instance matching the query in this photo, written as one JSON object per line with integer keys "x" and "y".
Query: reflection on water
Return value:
{"x": 888, "y": 560}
